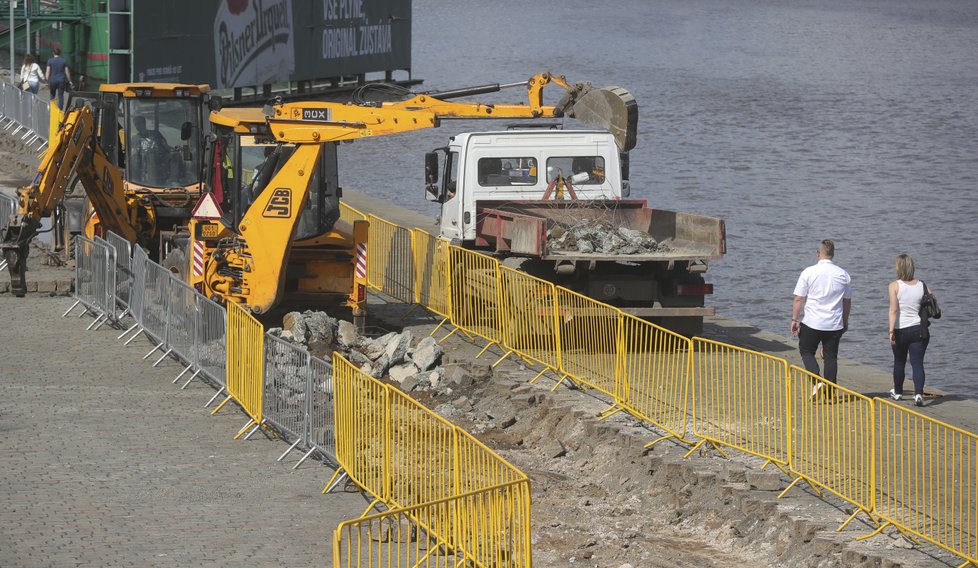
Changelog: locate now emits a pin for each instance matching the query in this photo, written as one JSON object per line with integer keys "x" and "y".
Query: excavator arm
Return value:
{"x": 611, "y": 108}
{"x": 74, "y": 152}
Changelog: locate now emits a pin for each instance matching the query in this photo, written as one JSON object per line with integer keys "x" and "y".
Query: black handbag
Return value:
{"x": 928, "y": 305}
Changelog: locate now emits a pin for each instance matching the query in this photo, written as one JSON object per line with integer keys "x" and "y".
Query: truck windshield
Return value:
{"x": 157, "y": 153}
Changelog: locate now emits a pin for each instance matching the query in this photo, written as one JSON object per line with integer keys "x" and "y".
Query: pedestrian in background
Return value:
{"x": 906, "y": 293}
{"x": 824, "y": 291}
{"x": 30, "y": 74}
{"x": 58, "y": 76}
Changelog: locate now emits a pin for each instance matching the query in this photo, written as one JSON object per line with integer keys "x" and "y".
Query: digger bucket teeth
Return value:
{"x": 611, "y": 108}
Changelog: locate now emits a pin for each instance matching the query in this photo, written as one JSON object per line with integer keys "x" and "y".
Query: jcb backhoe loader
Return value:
{"x": 273, "y": 174}
{"x": 137, "y": 150}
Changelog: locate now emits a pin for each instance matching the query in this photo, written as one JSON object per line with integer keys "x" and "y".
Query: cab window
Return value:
{"x": 569, "y": 166}
{"x": 507, "y": 171}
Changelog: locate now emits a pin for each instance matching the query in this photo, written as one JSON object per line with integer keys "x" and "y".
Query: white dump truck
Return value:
{"x": 553, "y": 203}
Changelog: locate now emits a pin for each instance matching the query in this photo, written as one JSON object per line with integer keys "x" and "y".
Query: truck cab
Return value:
{"x": 553, "y": 203}
{"x": 521, "y": 165}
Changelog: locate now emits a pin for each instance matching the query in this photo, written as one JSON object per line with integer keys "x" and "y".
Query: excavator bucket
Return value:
{"x": 611, "y": 108}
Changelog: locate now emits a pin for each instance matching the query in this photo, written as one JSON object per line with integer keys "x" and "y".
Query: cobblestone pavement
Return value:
{"x": 103, "y": 462}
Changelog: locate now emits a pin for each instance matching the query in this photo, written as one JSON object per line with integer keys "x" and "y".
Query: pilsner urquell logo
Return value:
{"x": 255, "y": 37}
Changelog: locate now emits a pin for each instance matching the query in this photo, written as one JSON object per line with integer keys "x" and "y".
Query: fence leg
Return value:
{"x": 220, "y": 406}
{"x": 190, "y": 380}
{"x": 182, "y": 373}
{"x": 292, "y": 447}
{"x": 503, "y": 358}
{"x": 165, "y": 355}
{"x": 304, "y": 458}
{"x": 94, "y": 322}
{"x": 659, "y": 439}
{"x": 73, "y": 306}
{"x": 138, "y": 333}
{"x": 213, "y": 398}
{"x": 125, "y": 333}
{"x": 255, "y": 429}
{"x": 338, "y": 476}
{"x": 243, "y": 430}
{"x": 151, "y": 352}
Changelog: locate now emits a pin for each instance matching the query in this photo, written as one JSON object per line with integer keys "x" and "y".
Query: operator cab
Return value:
{"x": 244, "y": 161}
{"x": 161, "y": 128}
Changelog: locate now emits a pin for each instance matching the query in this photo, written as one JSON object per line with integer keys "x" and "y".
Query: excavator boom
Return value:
{"x": 610, "y": 108}
{"x": 74, "y": 152}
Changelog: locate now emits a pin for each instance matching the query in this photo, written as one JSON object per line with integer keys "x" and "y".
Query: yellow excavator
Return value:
{"x": 275, "y": 232}
{"x": 136, "y": 148}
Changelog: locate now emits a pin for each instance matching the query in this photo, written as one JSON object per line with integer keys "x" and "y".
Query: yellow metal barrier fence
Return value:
{"x": 422, "y": 453}
{"x": 360, "y": 406}
{"x": 740, "y": 400}
{"x": 390, "y": 262}
{"x": 431, "y": 264}
{"x": 832, "y": 439}
{"x": 484, "y": 529}
{"x": 927, "y": 478}
{"x": 654, "y": 367}
{"x": 475, "y": 301}
{"x": 588, "y": 332}
{"x": 530, "y": 324}
{"x": 349, "y": 214}
{"x": 407, "y": 456}
{"x": 245, "y": 360}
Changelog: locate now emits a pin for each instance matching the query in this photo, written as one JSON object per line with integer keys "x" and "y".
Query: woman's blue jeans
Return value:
{"x": 909, "y": 343}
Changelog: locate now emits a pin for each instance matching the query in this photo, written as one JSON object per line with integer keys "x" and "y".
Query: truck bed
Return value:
{"x": 521, "y": 228}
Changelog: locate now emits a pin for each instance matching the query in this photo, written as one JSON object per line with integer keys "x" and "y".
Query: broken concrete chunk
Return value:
{"x": 346, "y": 334}
{"x": 397, "y": 347}
{"x": 427, "y": 354}
{"x": 399, "y": 373}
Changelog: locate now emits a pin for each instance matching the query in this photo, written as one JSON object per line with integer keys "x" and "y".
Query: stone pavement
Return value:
{"x": 103, "y": 462}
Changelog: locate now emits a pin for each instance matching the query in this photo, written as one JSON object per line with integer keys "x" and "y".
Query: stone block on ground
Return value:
{"x": 764, "y": 481}
{"x": 397, "y": 347}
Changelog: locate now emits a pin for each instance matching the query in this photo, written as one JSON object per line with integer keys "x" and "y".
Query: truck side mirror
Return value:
{"x": 186, "y": 130}
{"x": 432, "y": 191}
{"x": 431, "y": 168}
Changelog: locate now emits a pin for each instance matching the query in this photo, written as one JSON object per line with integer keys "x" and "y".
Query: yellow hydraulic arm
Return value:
{"x": 611, "y": 108}
{"x": 75, "y": 151}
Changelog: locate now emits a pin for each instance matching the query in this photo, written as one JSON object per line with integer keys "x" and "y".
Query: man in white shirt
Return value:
{"x": 825, "y": 292}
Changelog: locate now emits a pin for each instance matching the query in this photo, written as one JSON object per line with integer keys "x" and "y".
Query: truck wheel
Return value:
{"x": 176, "y": 262}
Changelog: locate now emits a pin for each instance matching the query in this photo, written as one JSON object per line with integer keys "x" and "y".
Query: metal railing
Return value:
{"x": 24, "y": 116}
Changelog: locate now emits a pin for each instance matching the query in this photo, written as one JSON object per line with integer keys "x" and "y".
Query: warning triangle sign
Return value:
{"x": 207, "y": 208}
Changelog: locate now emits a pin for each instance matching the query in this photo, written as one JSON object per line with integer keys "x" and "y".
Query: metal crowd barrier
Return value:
{"x": 431, "y": 264}
{"x": 741, "y": 400}
{"x": 435, "y": 477}
{"x": 394, "y": 275}
{"x": 298, "y": 398}
{"x": 94, "y": 279}
{"x": 831, "y": 432}
{"x": 8, "y": 208}
{"x": 927, "y": 478}
{"x": 246, "y": 357}
{"x": 123, "y": 270}
{"x": 24, "y": 115}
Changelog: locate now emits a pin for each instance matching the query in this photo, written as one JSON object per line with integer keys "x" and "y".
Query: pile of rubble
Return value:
{"x": 413, "y": 365}
{"x": 599, "y": 236}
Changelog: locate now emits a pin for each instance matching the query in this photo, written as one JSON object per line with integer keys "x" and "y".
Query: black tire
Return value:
{"x": 176, "y": 262}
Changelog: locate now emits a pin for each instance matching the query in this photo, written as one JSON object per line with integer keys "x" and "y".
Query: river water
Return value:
{"x": 793, "y": 120}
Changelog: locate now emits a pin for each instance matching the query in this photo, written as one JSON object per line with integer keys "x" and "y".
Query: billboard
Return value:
{"x": 239, "y": 43}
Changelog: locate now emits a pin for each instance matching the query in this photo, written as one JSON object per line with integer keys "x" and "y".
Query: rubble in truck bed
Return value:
{"x": 599, "y": 236}
{"x": 413, "y": 365}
